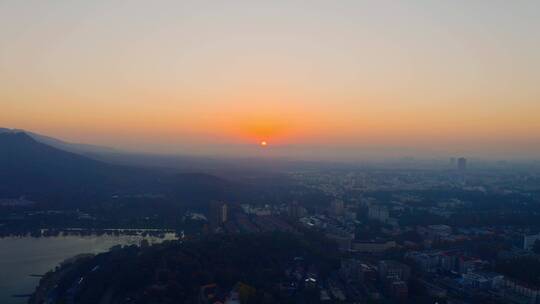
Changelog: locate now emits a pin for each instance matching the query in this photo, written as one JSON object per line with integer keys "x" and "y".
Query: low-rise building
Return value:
{"x": 516, "y": 292}
{"x": 372, "y": 247}
{"x": 390, "y": 269}
{"x": 529, "y": 240}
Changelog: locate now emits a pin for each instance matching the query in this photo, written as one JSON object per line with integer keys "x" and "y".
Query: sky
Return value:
{"x": 339, "y": 80}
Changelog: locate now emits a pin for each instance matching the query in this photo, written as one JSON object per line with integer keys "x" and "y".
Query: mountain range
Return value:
{"x": 63, "y": 145}
{"x": 47, "y": 169}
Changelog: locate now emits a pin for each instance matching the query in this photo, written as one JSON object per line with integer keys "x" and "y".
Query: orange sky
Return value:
{"x": 325, "y": 80}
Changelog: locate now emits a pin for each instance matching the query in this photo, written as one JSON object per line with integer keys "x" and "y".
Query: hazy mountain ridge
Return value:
{"x": 61, "y": 144}
{"x": 30, "y": 167}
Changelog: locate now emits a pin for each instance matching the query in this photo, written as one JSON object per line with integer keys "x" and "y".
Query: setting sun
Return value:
{"x": 264, "y": 143}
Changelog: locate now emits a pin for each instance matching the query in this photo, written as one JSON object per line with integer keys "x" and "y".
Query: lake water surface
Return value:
{"x": 21, "y": 257}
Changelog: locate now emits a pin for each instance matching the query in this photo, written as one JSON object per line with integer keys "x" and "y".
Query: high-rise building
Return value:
{"x": 218, "y": 214}
{"x": 379, "y": 213}
{"x": 337, "y": 207}
{"x": 462, "y": 163}
{"x": 295, "y": 210}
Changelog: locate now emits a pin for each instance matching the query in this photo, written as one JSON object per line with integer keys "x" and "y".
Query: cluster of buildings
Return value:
{"x": 361, "y": 280}
{"x": 224, "y": 218}
{"x": 445, "y": 261}
{"x": 371, "y": 269}
{"x": 458, "y": 274}
{"x": 394, "y": 277}
{"x": 215, "y": 294}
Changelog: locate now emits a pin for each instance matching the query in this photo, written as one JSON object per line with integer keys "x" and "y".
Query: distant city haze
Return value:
{"x": 339, "y": 80}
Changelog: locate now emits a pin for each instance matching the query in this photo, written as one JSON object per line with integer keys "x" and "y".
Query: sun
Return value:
{"x": 263, "y": 143}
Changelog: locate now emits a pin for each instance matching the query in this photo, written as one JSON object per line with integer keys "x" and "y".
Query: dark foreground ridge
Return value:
{"x": 257, "y": 268}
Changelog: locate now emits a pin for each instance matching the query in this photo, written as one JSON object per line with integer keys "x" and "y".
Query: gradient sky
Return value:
{"x": 316, "y": 79}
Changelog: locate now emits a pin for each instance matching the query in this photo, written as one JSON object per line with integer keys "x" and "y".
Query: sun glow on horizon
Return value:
{"x": 191, "y": 77}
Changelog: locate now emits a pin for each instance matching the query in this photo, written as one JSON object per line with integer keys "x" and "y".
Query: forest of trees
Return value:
{"x": 174, "y": 272}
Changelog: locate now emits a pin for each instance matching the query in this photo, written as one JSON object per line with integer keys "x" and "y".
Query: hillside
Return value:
{"x": 176, "y": 272}
{"x": 37, "y": 170}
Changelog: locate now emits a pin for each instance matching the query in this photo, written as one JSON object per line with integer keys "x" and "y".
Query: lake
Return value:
{"x": 21, "y": 257}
